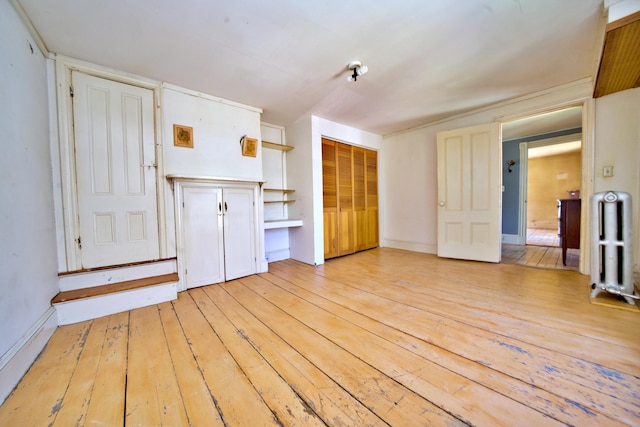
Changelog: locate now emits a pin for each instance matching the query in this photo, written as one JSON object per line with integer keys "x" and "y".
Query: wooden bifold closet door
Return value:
{"x": 350, "y": 198}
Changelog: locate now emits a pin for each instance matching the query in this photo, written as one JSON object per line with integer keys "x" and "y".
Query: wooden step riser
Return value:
{"x": 99, "y": 277}
{"x": 79, "y": 310}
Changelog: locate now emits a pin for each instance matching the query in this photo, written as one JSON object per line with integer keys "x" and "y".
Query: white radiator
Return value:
{"x": 612, "y": 245}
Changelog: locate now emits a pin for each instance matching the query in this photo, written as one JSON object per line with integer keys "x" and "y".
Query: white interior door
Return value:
{"x": 469, "y": 193}
{"x": 202, "y": 236}
{"x": 239, "y": 233}
{"x": 115, "y": 172}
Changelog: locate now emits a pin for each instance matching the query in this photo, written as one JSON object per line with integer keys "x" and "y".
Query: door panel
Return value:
{"x": 239, "y": 233}
{"x": 115, "y": 172}
{"x": 469, "y": 193}
{"x": 202, "y": 236}
{"x": 359, "y": 199}
{"x": 330, "y": 198}
{"x": 371, "y": 160}
{"x": 346, "y": 233}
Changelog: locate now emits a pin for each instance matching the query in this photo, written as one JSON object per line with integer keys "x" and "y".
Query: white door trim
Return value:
{"x": 65, "y": 195}
{"x": 522, "y": 203}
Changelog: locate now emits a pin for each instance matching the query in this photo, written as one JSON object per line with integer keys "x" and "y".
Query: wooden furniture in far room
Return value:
{"x": 568, "y": 225}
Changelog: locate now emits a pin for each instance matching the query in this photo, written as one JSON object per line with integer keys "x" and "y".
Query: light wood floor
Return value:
{"x": 540, "y": 256}
{"x": 383, "y": 337}
{"x": 541, "y": 251}
{"x": 543, "y": 237}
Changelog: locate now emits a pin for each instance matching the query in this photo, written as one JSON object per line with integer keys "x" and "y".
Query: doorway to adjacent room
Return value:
{"x": 541, "y": 165}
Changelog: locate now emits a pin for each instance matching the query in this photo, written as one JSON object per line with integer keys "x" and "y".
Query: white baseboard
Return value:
{"x": 512, "y": 239}
{"x": 411, "y": 246}
{"x": 17, "y": 360}
{"x": 278, "y": 255}
{"x": 103, "y": 305}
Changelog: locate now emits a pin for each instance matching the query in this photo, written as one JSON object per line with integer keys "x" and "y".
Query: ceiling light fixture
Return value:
{"x": 358, "y": 70}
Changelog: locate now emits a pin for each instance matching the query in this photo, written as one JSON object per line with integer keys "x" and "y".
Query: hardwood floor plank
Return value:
{"x": 570, "y": 378}
{"x": 539, "y": 399}
{"x": 392, "y": 402}
{"x": 77, "y": 397}
{"x": 153, "y": 395}
{"x": 538, "y": 330}
{"x": 382, "y": 337}
{"x": 200, "y": 407}
{"x": 453, "y": 393}
{"x": 237, "y": 400}
{"x": 326, "y": 397}
{"x": 108, "y": 397}
{"x": 276, "y": 392}
{"x": 561, "y": 378}
{"x": 38, "y": 397}
{"x": 541, "y": 305}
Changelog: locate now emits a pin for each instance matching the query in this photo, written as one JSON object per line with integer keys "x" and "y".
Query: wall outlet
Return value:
{"x": 607, "y": 171}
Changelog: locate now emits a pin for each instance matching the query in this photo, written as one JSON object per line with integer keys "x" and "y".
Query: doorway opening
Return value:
{"x": 541, "y": 167}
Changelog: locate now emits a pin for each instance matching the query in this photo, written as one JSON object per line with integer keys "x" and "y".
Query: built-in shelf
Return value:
{"x": 282, "y": 223}
{"x": 273, "y": 145}
{"x": 279, "y": 190}
{"x": 282, "y": 195}
{"x": 278, "y": 201}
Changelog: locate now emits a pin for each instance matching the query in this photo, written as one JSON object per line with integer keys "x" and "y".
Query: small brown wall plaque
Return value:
{"x": 249, "y": 146}
{"x": 183, "y": 136}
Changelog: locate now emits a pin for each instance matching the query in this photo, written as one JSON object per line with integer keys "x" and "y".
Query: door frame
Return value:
{"x": 524, "y": 176}
{"x": 587, "y": 165}
{"x": 63, "y": 155}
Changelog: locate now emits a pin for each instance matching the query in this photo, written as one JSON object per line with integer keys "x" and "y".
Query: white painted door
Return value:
{"x": 469, "y": 193}
{"x": 115, "y": 172}
{"x": 239, "y": 232}
{"x": 202, "y": 236}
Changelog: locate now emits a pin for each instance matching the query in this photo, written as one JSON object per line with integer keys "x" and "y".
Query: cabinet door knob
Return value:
{"x": 441, "y": 203}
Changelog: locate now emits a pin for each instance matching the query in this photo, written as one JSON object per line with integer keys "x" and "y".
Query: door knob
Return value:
{"x": 441, "y": 203}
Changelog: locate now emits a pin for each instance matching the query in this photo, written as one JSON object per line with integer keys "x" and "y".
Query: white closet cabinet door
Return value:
{"x": 239, "y": 232}
{"x": 203, "y": 236}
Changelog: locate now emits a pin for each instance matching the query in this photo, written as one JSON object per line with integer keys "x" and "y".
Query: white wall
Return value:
{"x": 305, "y": 173}
{"x": 617, "y": 133}
{"x": 217, "y": 125}
{"x": 410, "y": 166}
{"x": 217, "y": 129}
{"x": 28, "y": 266}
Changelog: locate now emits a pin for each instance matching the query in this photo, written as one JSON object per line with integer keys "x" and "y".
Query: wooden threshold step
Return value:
{"x": 113, "y": 287}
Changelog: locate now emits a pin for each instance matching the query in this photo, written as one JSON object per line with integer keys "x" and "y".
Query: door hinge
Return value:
{"x": 79, "y": 242}
{"x": 71, "y": 91}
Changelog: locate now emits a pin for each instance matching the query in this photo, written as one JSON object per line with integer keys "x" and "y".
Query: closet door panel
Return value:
{"x": 239, "y": 234}
{"x": 330, "y": 198}
{"x": 346, "y": 231}
{"x": 202, "y": 236}
{"x": 371, "y": 161}
{"x": 359, "y": 199}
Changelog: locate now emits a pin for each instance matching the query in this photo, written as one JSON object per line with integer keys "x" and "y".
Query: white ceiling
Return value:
{"x": 427, "y": 59}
